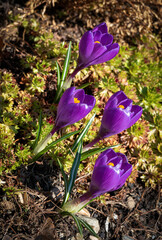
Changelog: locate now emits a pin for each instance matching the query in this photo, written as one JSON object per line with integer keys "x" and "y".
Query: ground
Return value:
{"x": 33, "y": 212}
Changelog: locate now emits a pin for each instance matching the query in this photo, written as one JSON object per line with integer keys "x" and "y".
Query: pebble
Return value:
{"x": 115, "y": 216}
{"x": 6, "y": 238}
{"x": 79, "y": 237}
{"x": 130, "y": 202}
{"x": 93, "y": 222}
{"x": 92, "y": 238}
{"x": 127, "y": 238}
{"x": 84, "y": 212}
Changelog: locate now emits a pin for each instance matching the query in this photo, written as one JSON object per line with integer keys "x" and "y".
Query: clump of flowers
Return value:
{"x": 111, "y": 169}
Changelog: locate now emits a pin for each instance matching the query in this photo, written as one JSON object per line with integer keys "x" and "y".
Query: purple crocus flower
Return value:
{"x": 110, "y": 173}
{"x": 73, "y": 106}
{"x": 119, "y": 114}
{"x": 96, "y": 46}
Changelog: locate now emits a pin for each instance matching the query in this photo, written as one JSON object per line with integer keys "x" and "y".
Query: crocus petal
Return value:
{"x": 114, "y": 121}
{"x": 97, "y": 51}
{"x": 137, "y": 112}
{"x": 71, "y": 114}
{"x": 80, "y": 95}
{"x": 124, "y": 177}
{"x": 106, "y": 39}
{"x": 107, "y": 55}
{"x": 119, "y": 114}
{"x": 66, "y": 99}
{"x": 115, "y": 99}
{"x": 102, "y": 159}
{"x": 110, "y": 154}
{"x": 86, "y": 46}
{"x": 126, "y": 103}
{"x": 101, "y": 27}
{"x": 97, "y": 36}
{"x": 104, "y": 179}
{"x": 89, "y": 100}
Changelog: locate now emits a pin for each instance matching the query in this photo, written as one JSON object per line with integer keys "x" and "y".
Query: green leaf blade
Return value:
{"x": 76, "y": 219}
{"x": 65, "y": 177}
{"x": 73, "y": 172}
{"x": 66, "y": 65}
{"x": 86, "y": 225}
{"x": 58, "y": 76}
{"x": 95, "y": 151}
{"x": 38, "y": 131}
{"x": 51, "y": 145}
{"x": 83, "y": 133}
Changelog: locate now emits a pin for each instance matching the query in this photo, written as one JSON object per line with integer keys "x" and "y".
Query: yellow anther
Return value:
{"x": 76, "y": 100}
{"x": 121, "y": 106}
{"x": 111, "y": 164}
{"x": 97, "y": 42}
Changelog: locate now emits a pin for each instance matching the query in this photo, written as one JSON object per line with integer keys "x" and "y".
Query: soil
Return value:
{"x": 33, "y": 212}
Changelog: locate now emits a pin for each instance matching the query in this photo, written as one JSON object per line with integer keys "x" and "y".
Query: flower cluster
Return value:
{"x": 111, "y": 169}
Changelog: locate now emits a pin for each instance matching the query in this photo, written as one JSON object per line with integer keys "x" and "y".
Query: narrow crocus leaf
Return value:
{"x": 58, "y": 76}
{"x": 77, "y": 221}
{"x": 66, "y": 65}
{"x": 73, "y": 172}
{"x": 95, "y": 151}
{"x": 39, "y": 130}
{"x": 86, "y": 225}
{"x": 83, "y": 133}
{"x": 65, "y": 177}
{"x": 51, "y": 145}
{"x": 85, "y": 85}
{"x": 64, "y": 74}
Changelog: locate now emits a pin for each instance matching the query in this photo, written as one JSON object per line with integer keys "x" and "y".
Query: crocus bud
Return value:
{"x": 96, "y": 46}
{"x": 110, "y": 173}
{"x": 73, "y": 106}
{"x": 119, "y": 114}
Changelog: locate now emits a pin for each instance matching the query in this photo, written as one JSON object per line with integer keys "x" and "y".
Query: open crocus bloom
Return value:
{"x": 119, "y": 114}
{"x": 73, "y": 106}
{"x": 96, "y": 46}
{"x": 110, "y": 173}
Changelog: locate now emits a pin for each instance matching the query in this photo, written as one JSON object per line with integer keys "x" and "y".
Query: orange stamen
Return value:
{"x": 121, "y": 106}
{"x": 97, "y": 42}
{"x": 111, "y": 164}
{"x": 76, "y": 100}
